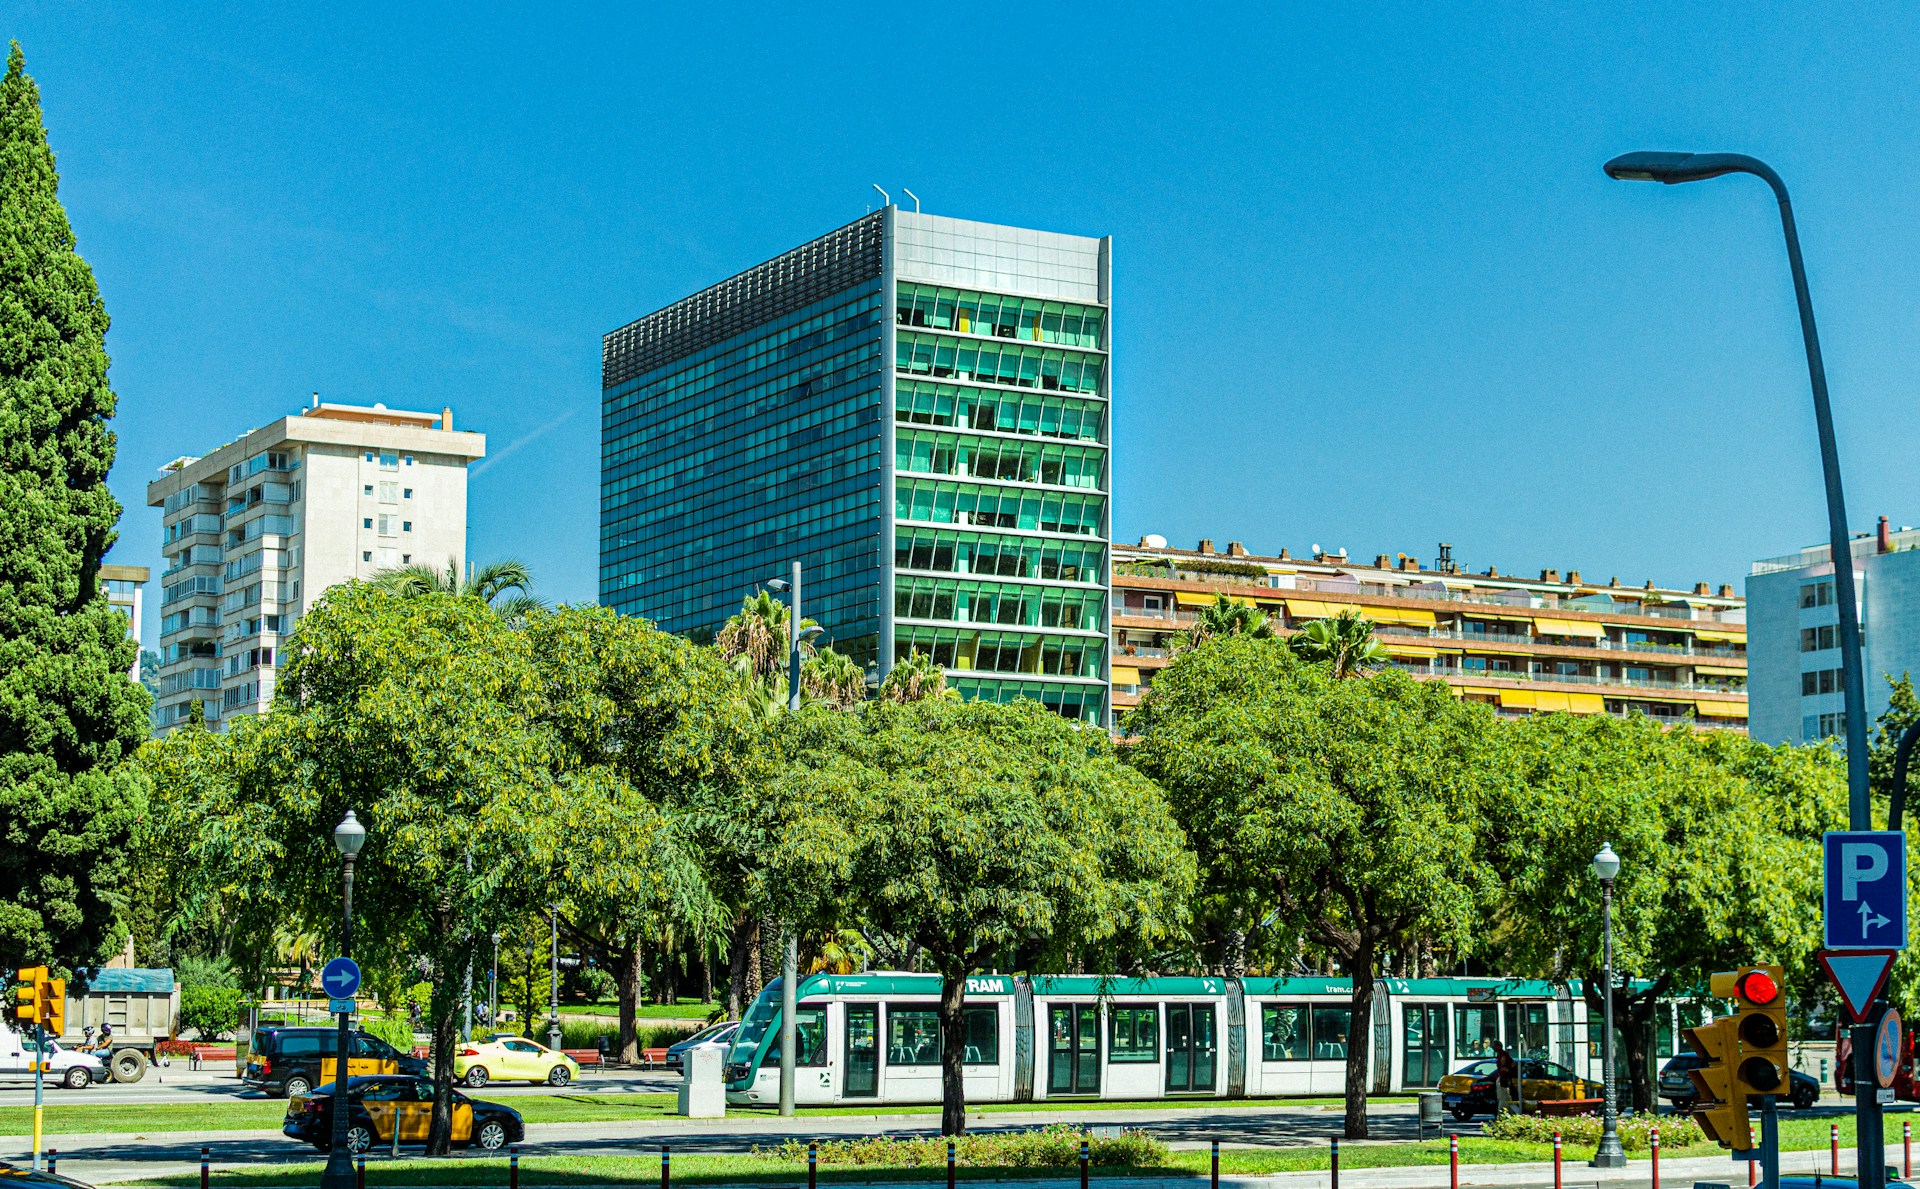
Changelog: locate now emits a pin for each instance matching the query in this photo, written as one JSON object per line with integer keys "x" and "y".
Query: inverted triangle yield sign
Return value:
{"x": 1860, "y": 974}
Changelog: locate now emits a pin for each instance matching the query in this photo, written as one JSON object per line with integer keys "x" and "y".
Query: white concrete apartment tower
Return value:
{"x": 256, "y": 530}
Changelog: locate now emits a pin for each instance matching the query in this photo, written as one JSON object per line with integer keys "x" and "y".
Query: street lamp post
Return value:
{"x": 1609, "y": 1154}
{"x": 553, "y": 983}
{"x": 1673, "y": 169}
{"x": 348, "y": 836}
{"x": 790, "y": 955}
{"x": 493, "y": 988}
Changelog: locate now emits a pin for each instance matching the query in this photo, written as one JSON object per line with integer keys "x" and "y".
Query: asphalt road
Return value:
{"x": 180, "y": 1084}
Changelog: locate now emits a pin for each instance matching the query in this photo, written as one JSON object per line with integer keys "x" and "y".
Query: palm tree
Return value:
{"x": 754, "y": 640}
{"x": 509, "y": 578}
{"x": 832, "y": 677}
{"x": 1226, "y": 618}
{"x": 915, "y": 678}
{"x": 1346, "y": 641}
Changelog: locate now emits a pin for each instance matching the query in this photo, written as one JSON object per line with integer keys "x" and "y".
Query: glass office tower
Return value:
{"x": 913, "y": 407}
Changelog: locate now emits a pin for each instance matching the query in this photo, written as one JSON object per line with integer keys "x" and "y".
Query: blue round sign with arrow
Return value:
{"x": 340, "y": 978}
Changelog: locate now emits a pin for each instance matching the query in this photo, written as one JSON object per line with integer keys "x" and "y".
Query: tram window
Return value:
{"x": 1330, "y": 1028}
{"x": 913, "y": 1036}
{"x": 810, "y": 1031}
{"x": 1283, "y": 1033}
{"x": 983, "y": 1036}
{"x": 1134, "y": 1034}
{"x": 1475, "y": 1030}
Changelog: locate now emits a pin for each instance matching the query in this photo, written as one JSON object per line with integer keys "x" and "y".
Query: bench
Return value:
{"x": 1570, "y": 1106}
{"x": 585, "y": 1056}
{"x": 650, "y": 1058}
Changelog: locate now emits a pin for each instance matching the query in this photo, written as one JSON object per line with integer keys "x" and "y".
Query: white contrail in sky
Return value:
{"x": 507, "y": 451}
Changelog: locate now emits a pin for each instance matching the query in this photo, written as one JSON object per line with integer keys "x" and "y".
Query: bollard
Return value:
{"x": 1334, "y": 1165}
{"x": 1215, "y": 1183}
{"x": 1083, "y": 1160}
{"x": 1453, "y": 1162}
{"x": 360, "y": 1172}
{"x": 206, "y": 1157}
{"x": 1833, "y": 1138}
{"x": 1753, "y": 1166}
{"x": 1556, "y": 1160}
{"x": 513, "y": 1166}
{"x": 813, "y": 1161}
{"x": 666, "y": 1168}
{"x": 53, "y": 1162}
{"x": 1653, "y": 1142}
{"x": 1906, "y": 1145}
{"x": 949, "y": 1164}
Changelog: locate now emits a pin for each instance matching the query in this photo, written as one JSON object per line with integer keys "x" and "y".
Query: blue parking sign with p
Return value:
{"x": 1866, "y": 890}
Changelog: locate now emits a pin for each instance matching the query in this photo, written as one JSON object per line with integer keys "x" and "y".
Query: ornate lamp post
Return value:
{"x": 1609, "y": 1154}
{"x": 349, "y": 836}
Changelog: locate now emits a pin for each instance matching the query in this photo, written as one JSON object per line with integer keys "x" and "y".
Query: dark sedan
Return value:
{"x": 385, "y": 1103}
{"x": 1676, "y": 1087}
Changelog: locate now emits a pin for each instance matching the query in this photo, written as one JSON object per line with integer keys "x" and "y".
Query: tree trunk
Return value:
{"x": 445, "y": 1005}
{"x": 953, "y": 1049}
{"x": 629, "y": 995}
{"x": 1359, "y": 1040}
{"x": 1233, "y": 951}
{"x": 743, "y": 974}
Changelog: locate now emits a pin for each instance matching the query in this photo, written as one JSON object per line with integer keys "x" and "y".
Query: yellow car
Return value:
{"x": 1469, "y": 1091}
{"x": 512, "y": 1059}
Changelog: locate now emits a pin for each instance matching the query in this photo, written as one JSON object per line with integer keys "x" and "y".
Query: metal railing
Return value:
{"x": 1603, "y": 644}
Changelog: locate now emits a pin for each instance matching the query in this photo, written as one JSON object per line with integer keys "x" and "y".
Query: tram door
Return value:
{"x": 863, "y": 1051}
{"x": 1073, "y": 1065}
{"x": 1424, "y": 1040}
{"x": 1190, "y": 1047}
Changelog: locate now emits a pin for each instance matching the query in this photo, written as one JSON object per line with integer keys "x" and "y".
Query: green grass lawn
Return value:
{"x": 679, "y": 1009}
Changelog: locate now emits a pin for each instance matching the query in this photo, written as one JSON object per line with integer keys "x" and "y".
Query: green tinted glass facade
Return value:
{"x": 913, "y": 407}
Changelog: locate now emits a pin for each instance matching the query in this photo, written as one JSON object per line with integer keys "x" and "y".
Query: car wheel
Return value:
{"x": 129, "y": 1065}
{"x": 1462, "y": 1115}
{"x": 558, "y": 1076}
{"x": 359, "y": 1139}
{"x": 1805, "y": 1097}
{"x": 492, "y": 1136}
{"x": 477, "y": 1076}
{"x": 296, "y": 1085}
{"x": 78, "y": 1078}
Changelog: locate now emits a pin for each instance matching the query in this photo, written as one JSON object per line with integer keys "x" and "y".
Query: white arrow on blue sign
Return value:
{"x": 340, "y": 978}
{"x": 1866, "y": 890}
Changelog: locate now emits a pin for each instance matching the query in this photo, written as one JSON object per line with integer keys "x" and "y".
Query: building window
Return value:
{"x": 1817, "y": 594}
{"x": 407, "y": 494}
{"x": 366, "y": 522}
{"x": 406, "y": 526}
{"x": 366, "y": 489}
{"x": 406, "y": 559}
{"x": 366, "y": 555}
{"x": 389, "y": 462}
{"x": 1815, "y": 727}
{"x": 1824, "y": 681}
{"x": 386, "y": 526}
{"x": 1820, "y": 639}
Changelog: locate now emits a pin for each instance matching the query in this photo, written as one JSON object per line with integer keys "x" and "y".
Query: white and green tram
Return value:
{"x": 875, "y": 1037}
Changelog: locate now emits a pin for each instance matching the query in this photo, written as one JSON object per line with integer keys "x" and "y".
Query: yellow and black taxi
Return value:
{"x": 1468, "y": 1091}
{"x": 383, "y": 1103}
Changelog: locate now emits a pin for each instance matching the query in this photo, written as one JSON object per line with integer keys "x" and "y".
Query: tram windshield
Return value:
{"x": 753, "y": 1027}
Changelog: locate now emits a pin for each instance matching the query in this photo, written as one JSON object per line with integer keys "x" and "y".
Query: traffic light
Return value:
{"x": 55, "y": 1008}
{"x": 1721, "y": 1103}
{"x": 1760, "y": 1012}
{"x": 27, "y": 995}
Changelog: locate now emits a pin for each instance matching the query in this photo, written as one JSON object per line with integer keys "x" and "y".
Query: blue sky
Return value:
{"x": 1372, "y": 289}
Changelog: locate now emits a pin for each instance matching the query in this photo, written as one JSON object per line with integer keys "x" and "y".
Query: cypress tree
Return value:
{"x": 70, "y": 715}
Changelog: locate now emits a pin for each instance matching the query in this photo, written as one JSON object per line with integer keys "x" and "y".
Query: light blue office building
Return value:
{"x": 916, "y": 409}
{"x": 1794, "y": 685}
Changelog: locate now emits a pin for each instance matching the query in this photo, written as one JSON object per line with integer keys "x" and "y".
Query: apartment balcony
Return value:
{"x": 1433, "y": 593}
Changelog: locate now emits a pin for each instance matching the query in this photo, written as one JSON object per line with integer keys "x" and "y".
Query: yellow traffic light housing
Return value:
{"x": 1721, "y": 1105}
{"x": 27, "y": 996}
{"x": 55, "y": 1018}
{"x": 1761, "y": 1013}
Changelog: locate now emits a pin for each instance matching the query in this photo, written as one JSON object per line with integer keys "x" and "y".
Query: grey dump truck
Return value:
{"x": 142, "y": 1005}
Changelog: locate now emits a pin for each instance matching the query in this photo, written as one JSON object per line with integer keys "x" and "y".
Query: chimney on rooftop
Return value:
{"x": 1236, "y": 549}
{"x": 446, "y": 417}
{"x": 1380, "y": 562}
{"x": 1886, "y": 536}
{"x": 1445, "y": 564}
{"x": 1573, "y": 577}
{"x": 1493, "y": 571}
{"x": 1283, "y": 554}
{"x": 1726, "y": 590}
{"x": 1206, "y": 544}
{"x": 1701, "y": 588}
{"x": 1549, "y": 575}
{"x": 1616, "y": 582}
